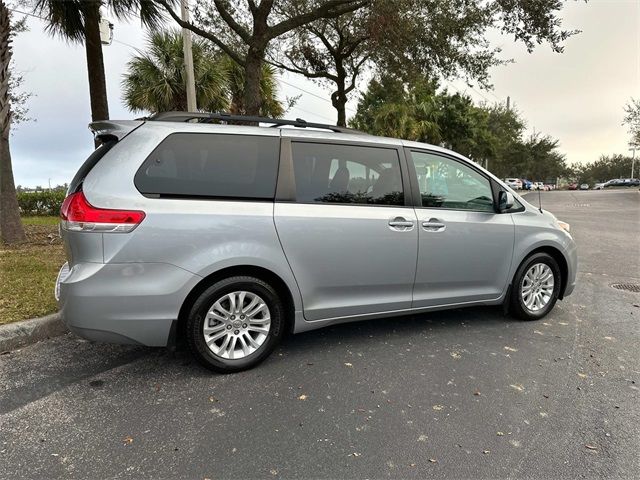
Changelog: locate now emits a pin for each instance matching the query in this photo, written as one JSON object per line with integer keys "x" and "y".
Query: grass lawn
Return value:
{"x": 28, "y": 271}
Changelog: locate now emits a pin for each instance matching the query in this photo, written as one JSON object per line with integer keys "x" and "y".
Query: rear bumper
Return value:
{"x": 123, "y": 303}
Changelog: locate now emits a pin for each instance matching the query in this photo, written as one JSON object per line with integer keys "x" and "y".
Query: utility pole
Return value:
{"x": 508, "y": 103}
{"x": 633, "y": 157}
{"x": 188, "y": 59}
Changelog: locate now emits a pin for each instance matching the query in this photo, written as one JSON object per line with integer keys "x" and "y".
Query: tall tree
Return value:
{"x": 244, "y": 30}
{"x": 79, "y": 21}
{"x": 155, "y": 80}
{"x": 11, "y": 230}
{"x": 418, "y": 111}
{"x": 444, "y": 38}
{"x": 632, "y": 120}
{"x": 339, "y": 61}
{"x": 605, "y": 168}
{"x": 270, "y": 105}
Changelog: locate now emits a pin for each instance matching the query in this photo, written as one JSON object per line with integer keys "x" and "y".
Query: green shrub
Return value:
{"x": 46, "y": 202}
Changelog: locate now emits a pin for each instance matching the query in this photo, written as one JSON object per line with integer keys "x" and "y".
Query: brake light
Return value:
{"x": 78, "y": 214}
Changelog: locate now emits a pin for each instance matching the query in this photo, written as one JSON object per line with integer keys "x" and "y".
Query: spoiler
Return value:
{"x": 114, "y": 129}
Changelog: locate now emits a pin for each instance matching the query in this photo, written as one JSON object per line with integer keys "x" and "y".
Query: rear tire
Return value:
{"x": 235, "y": 324}
{"x": 536, "y": 287}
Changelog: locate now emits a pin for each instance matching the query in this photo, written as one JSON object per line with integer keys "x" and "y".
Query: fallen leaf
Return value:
{"x": 433, "y": 460}
{"x": 563, "y": 323}
{"x": 608, "y": 338}
{"x": 455, "y": 355}
{"x": 477, "y": 393}
{"x": 302, "y": 397}
{"x": 127, "y": 440}
{"x": 213, "y": 399}
{"x": 538, "y": 332}
{"x": 518, "y": 387}
{"x": 422, "y": 438}
{"x": 500, "y": 434}
{"x": 591, "y": 447}
{"x": 273, "y": 471}
{"x": 510, "y": 349}
{"x": 412, "y": 464}
{"x": 347, "y": 364}
{"x": 438, "y": 407}
{"x": 355, "y": 454}
{"x": 582, "y": 375}
{"x": 486, "y": 451}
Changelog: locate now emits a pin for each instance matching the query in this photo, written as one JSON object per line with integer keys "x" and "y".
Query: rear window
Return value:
{"x": 211, "y": 165}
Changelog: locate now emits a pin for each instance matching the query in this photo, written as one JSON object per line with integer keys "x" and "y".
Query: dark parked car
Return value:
{"x": 623, "y": 182}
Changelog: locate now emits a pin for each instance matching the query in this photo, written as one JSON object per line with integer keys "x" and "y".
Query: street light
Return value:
{"x": 633, "y": 157}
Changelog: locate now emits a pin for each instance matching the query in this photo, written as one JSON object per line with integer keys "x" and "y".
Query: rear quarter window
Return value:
{"x": 87, "y": 166}
{"x": 211, "y": 165}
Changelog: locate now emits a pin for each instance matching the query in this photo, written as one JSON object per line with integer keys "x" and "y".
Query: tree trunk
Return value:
{"x": 11, "y": 230}
{"x": 252, "y": 78}
{"x": 95, "y": 62}
{"x": 339, "y": 102}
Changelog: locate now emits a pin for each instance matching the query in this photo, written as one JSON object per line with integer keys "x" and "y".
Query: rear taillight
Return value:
{"x": 79, "y": 215}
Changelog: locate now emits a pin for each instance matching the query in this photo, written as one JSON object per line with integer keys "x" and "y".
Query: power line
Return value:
{"x": 312, "y": 113}
{"x": 324, "y": 99}
{"x": 28, "y": 14}
{"x": 126, "y": 44}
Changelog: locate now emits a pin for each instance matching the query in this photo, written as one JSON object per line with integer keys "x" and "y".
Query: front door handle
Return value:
{"x": 401, "y": 224}
{"x": 434, "y": 225}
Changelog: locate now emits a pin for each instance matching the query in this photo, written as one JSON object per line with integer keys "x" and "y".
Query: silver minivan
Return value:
{"x": 194, "y": 227}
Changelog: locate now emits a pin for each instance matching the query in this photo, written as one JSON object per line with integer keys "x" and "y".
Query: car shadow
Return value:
{"x": 364, "y": 332}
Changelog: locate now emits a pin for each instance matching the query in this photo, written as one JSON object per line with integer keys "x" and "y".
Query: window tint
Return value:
{"x": 211, "y": 165}
{"x": 347, "y": 174}
{"x": 446, "y": 183}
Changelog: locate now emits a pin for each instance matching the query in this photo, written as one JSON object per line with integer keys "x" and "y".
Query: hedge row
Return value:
{"x": 41, "y": 203}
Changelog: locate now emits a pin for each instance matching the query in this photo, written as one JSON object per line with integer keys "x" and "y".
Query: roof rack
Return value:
{"x": 206, "y": 117}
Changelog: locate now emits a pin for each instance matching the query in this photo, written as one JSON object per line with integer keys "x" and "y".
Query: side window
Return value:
{"x": 211, "y": 165}
{"x": 346, "y": 174}
{"x": 447, "y": 183}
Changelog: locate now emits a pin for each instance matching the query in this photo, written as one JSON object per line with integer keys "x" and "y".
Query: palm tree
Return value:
{"x": 155, "y": 81}
{"x": 270, "y": 106}
{"x": 79, "y": 21}
{"x": 11, "y": 230}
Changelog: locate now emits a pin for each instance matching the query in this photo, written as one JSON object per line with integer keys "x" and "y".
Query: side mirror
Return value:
{"x": 505, "y": 201}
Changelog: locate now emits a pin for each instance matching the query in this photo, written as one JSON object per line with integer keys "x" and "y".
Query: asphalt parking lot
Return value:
{"x": 461, "y": 394}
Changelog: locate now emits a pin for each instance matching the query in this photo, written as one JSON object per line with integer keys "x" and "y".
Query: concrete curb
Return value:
{"x": 23, "y": 333}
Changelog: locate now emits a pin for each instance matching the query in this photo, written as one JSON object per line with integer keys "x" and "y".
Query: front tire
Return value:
{"x": 235, "y": 324}
{"x": 536, "y": 287}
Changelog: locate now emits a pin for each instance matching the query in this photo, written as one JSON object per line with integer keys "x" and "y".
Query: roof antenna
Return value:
{"x": 539, "y": 200}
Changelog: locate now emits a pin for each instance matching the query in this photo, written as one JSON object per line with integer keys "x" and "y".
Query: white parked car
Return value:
{"x": 514, "y": 183}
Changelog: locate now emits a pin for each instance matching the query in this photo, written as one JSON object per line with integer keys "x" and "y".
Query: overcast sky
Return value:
{"x": 576, "y": 97}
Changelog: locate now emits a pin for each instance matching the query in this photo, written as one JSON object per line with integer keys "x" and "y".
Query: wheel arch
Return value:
{"x": 560, "y": 259}
{"x": 262, "y": 273}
